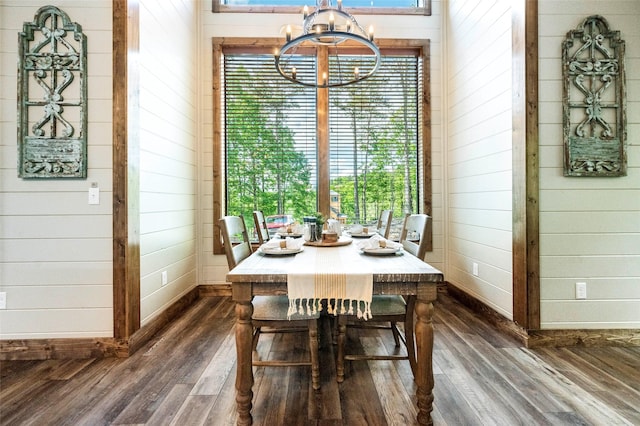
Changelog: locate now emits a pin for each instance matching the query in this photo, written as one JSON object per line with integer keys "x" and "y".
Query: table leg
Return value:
{"x": 244, "y": 373}
{"x": 424, "y": 374}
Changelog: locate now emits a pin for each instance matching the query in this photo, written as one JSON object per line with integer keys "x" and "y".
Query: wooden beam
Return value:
{"x": 126, "y": 210}
{"x": 322, "y": 117}
{"x": 532, "y": 167}
{"x": 526, "y": 262}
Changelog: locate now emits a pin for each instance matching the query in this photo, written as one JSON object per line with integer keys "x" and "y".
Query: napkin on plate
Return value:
{"x": 356, "y": 229}
{"x": 359, "y": 229}
{"x": 375, "y": 242}
{"x": 290, "y": 243}
{"x": 295, "y": 229}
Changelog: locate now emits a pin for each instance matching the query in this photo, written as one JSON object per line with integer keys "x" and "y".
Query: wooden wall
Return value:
{"x": 589, "y": 227}
{"x": 168, "y": 152}
{"x": 479, "y": 151}
{"x": 55, "y": 248}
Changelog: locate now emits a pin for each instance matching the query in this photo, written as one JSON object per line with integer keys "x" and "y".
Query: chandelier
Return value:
{"x": 350, "y": 49}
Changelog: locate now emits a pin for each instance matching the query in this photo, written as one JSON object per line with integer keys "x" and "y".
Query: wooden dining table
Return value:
{"x": 401, "y": 274}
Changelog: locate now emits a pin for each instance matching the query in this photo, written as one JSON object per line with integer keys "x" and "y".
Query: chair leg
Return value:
{"x": 313, "y": 349}
{"x": 396, "y": 334}
{"x": 256, "y": 336}
{"x": 408, "y": 335}
{"x": 334, "y": 330}
{"x": 342, "y": 330}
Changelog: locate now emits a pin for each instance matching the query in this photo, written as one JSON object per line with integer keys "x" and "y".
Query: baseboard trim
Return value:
{"x": 546, "y": 338}
{"x": 145, "y": 333}
{"x": 489, "y": 314}
{"x": 214, "y": 290}
{"x": 585, "y": 338}
{"x": 79, "y": 348}
{"x": 41, "y": 349}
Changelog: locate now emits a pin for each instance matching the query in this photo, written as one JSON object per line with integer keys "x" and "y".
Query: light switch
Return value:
{"x": 94, "y": 195}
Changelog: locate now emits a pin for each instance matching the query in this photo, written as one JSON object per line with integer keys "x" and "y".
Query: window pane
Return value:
{"x": 271, "y": 147}
{"x": 270, "y": 140}
{"x": 374, "y": 143}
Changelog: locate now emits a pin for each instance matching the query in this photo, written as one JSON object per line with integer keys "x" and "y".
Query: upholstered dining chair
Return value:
{"x": 384, "y": 222}
{"x": 261, "y": 226}
{"x": 389, "y": 310}
{"x": 269, "y": 312}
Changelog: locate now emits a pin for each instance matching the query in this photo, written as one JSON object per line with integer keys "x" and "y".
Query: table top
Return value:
{"x": 261, "y": 268}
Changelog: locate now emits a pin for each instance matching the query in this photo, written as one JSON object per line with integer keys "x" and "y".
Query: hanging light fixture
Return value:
{"x": 330, "y": 27}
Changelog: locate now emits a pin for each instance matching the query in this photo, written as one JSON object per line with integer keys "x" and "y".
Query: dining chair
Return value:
{"x": 389, "y": 310}
{"x": 384, "y": 222}
{"x": 261, "y": 226}
{"x": 270, "y": 313}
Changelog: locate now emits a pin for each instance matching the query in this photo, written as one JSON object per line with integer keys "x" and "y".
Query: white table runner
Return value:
{"x": 333, "y": 281}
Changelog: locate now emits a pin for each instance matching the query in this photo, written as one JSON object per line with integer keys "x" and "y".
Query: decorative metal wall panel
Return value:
{"x": 594, "y": 109}
{"x": 52, "y": 97}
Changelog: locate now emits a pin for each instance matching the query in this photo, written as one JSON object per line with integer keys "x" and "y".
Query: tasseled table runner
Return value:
{"x": 340, "y": 287}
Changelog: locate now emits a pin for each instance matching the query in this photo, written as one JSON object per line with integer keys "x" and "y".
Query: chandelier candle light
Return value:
{"x": 330, "y": 27}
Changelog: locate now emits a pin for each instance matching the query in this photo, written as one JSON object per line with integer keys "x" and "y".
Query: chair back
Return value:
{"x": 237, "y": 246}
{"x": 261, "y": 226}
{"x": 414, "y": 236}
{"x": 384, "y": 223}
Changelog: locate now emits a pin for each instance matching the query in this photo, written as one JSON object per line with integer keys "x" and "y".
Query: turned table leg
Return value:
{"x": 244, "y": 374}
{"x": 424, "y": 373}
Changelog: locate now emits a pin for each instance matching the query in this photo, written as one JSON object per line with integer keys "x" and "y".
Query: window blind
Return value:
{"x": 375, "y": 140}
{"x": 270, "y": 138}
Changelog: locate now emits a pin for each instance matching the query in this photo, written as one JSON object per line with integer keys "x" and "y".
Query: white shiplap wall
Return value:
{"x": 55, "y": 248}
{"x": 168, "y": 152}
{"x": 478, "y": 150}
{"x": 213, "y": 268}
{"x": 589, "y": 227}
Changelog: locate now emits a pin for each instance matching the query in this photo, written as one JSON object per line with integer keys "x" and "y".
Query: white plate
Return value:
{"x": 277, "y": 251}
{"x": 285, "y": 235}
{"x": 380, "y": 251}
{"x": 363, "y": 235}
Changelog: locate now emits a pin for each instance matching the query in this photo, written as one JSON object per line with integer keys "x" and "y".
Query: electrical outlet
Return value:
{"x": 475, "y": 269}
{"x": 165, "y": 278}
{"x": 581, "y": 290}
{"x": 3, "y": 300}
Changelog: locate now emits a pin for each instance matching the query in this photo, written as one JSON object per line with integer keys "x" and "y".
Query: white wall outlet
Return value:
{"x": 165, "y": 277}
{"x": 581, "y": 290}
{"x": 475, "y": 269}
{"x": 3, "y": 300}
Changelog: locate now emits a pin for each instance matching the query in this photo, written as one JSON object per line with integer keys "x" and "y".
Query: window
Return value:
{"x": 389, "y": 7}
{"x": 271, "y": 140}
{"x": 374, "y": 142}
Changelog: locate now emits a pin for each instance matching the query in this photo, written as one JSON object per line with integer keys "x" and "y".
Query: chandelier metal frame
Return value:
{"x": 330, "y": 27}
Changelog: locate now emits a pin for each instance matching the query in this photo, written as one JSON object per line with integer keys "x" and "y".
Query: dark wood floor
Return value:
{"x": 185, "y": 376}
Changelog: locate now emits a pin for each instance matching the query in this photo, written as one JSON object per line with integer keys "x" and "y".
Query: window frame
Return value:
{"x": 425, "y": 10}
{"x": 267, "y": 45}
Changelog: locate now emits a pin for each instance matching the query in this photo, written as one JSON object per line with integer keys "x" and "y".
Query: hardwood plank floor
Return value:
{"x": 186, "y": 375}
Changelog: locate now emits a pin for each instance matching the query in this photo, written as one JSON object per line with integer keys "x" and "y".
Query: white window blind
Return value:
{"x": 271, "y": 145}
{"x": 270, "y": 138}
{"x": 375, "y": 140}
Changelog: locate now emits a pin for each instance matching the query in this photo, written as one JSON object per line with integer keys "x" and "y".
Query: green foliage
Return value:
{"x": 264, "y": 170}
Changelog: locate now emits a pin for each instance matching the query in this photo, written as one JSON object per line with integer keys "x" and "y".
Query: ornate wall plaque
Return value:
{"x": 594, "y": 108}
{"x": 52, "y": 97}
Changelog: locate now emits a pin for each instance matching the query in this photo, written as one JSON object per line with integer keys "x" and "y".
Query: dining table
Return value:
{"x": 399, "y": 273}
